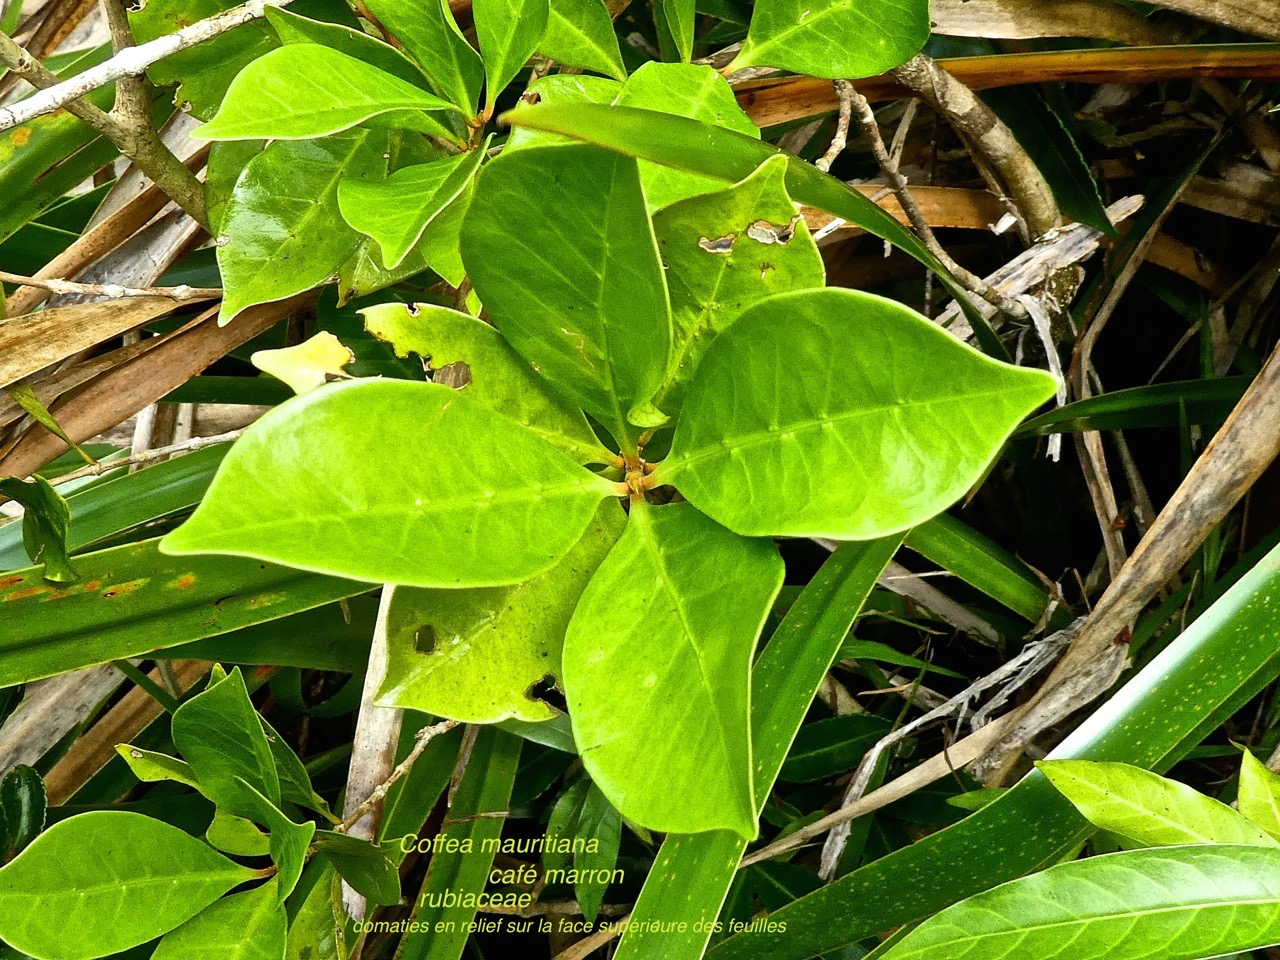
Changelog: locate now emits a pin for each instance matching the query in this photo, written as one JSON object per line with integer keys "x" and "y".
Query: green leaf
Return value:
{"x": 397, "y": 211}
{"x": 288, "y": 841}
{"x": 580, "y": 34}
{"x": 1259, "y": 795}
{"x": 282, "y": 232}
{"x": 688, "y": 90}
{"x": 151, "y": 767}
{"x": 675, "y": 21}
{"x": 508, "y": 32}
{"x": 657, "y": 665}
{"x": 430, "y": 35}
{"x": 1177, "y": 904}
{"x": 561, "y": 252}
{"x": 562, "y": 88}
{"x": 441, "y": 244}
{"x": 369, "y": 871}
{"x": 24, "y": 395}
{"x": 295, "y": 782}
{"x": 599, "y": 821}
{"x": 1157, "y": 405}
{"x": 478, "y": 655}
{"x": 237, "y": 836}
{"x": 855, "y": 649}
{"x": 45, "y": 520}
{"x": 497, "y": 376}
{"x": 1147, "y": 809}
{"x": 244, "y": 926}
{"x": 835, "y": 39}
{"x": 23, "y": 807}
{"x": 219, "y": 735}
{"x": 426, "y": 516}
{"x": 316, "y": 932}
{"x": 843, "y": 436}
{"x": 831, "y": 747}
{"x": 723, "y": 252}
{"x": 105, "y": 881}
{"x": 356, "y": 44}
{"x": 305, "y": 90}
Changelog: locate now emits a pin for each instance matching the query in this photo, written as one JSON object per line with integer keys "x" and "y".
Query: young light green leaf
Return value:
{"x": 431, "y": 36}
{"x": 1180, "y": 903}
{"x": 45, "y": 520}
{"x": 508, "y": 31}
{"x": 723, "y": 252}
{"x": 282, "y": 232}
{"x": 237, "y": 836}
{"x": 496, "y": 375}
{"x": 561, "y": 252}
{"x": 305, "y": 90}
{"x": 562, "y": 88}
{"x": 357, "y": 44}
{"x": 1259, "y": 794}
{"x": 306, "y": 365}
{"x": 396, "y": 211}
{"x": 24, "y": 805}
{"x": 219, "y": 735}
{"x": 151, "y": 767}
{"x": 580, "y": 34}
{"x": 657, "y": 666}
{"x": 835, "y": 39}
{"x": 674, "y": 19}
{"x": 1147, "y": 809}
{"x": 843, "y": 435}
{"x": 477, "y": 655}
{"x": 105, "y": 881}
{"x": 288, "y": 841}
{"x": 244, "y": 926}
{"x": 694, "y": 91}
{"x": 429, "y": 516}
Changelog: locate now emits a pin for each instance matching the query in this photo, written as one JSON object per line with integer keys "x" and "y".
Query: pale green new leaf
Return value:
{"x": 105, "y": 881}
{"x": 562, "y": 253}
{"x": 863, "y": 418}
{"x": 151, "y": 767}
{"x": 580, "y": 34}
{"x": 836, "y": 39}
{"x": 431, "y": 36}
{"x": 244, "y": 926}
{"x": 508, "y": 31}
{"x": 396, "y": 211}
{"x": 723, "y": 252}
{"x": 694, "y": 91}
{"x": 657, "y": 666}
{"x": 477, "y": 655}
{"x": 305, "y": 90}
{"x": 282, "y": 232}
{"x": 393, "y": 481}
{"x": 1176, "y": 903}
{"x": 1259, "y": 794}
{"x": 1147, "y": 809}
{"x": 237, "y": 836}
{"x": 496, "y": 375}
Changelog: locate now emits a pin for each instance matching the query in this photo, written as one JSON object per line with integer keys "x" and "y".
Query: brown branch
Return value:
{"x": 111, "y": 291}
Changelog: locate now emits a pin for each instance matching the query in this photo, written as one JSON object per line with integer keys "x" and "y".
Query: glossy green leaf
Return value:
{"x": 219, "y": 735}
{"x": 675, "y": 19}
{"x": 105, "y": 881}
{"x": 441, "y": 243}
{"x": 1147, "y": 809}
{"x": 657, "y": 665}
{"x": 580, "y": 34}
{"x": 237, "y": 836}
{"x": 830, "y": 747}
{"x": 562, "y": 253}
{"x": 1157, "y": 405}
{"x": 244, "y": 926}
{"x": 1259, "y": 794}
{"x": 863, "y": 445}
{"x": 23, "y": 806}
{"x": 836, "y": 39}
{"x": 723, "y": 252}
{"x": 395, "y": 212}
{"x": 426, "y": 517}
{"x": 508, "y": 32}
{"x": 131, "y": 600}
{"x": 430, "y": 35}
{"x": 478, "y": 656}
{"x": 562, "y": 88}
{"x": 367, "y": 869}
{"x": 688, "y": 90}
{"x": 45, "y": 520}
{"x": 288, "y": 841}
{"x": 305, "y": 90}
{"x": 151, "y": 767}
{"x": 282, "y": 232}
{"x": 293, "y": 29}
{"x": 498, "y": 376}
{"x": 1181, "y": 903}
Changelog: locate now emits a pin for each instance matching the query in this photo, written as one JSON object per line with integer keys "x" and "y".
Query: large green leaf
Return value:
{"x": 396, "y": 211}
{"x": 102, "y": 882}
{"x": 1181, "y": 903}
{"x": 723, "y": 252}
{"x": 282, "y": 232}
{"x": 132, "y": 600}
{"x": 244, "y": 926}
{"x": 688, "y": 90}
{"x": 497, "y": 376}
{"x": 305, "y": 90}
{"x": 836, "y": 39}
{"x": 477, "y": 655}
{"x": 580, "y": 34}
{"x": 657, "y": 666}
{"x": 508, "y": 32}
{"x": 430, "y": 35}
{"x": 391, "y": 481}
{"x": 1147, "y": 809}
{"x": 841, "y": 435}
{"x": 562, "y": 253}
{"x": 1259, "y": 795}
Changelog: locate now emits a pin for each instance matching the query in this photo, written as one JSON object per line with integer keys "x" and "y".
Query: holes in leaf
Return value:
{"x": 762, "y": 231}
{"x": 455, "y": 375}
{"x": 425, "y": 639}
{"x": 545, "y": 691}
{"x": 720, "y": 244}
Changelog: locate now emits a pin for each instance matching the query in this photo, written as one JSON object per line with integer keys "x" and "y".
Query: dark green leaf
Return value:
{"x": 23, "y": 806}
{"x": 45, "y": 520}
{"x": 366, "y": 868}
